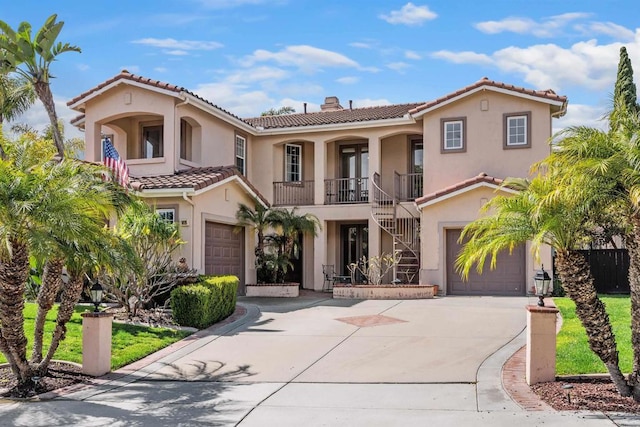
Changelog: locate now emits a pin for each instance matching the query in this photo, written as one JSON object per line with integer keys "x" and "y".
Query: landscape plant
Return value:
{"x": 375, "y": 268}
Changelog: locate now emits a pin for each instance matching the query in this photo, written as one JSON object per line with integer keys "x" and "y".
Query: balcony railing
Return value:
{"x": 346, "y": 190}
{"x": 407, "y": 187}
{"x": 296, "y": 193}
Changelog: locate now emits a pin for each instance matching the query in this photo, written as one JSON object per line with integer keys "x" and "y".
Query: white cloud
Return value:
{"x": 409, "y": 54}
{"x": 236, "y": 98}
{"x": 465, "y": 57}
{"x": 582, "y": 115}
{"x": 367, "y": 102}
{"x": 616, "y": 31}
{"x": 37, "y": 118}
{"x": 348, "y": 80}
{"x": 257, "y": 74}
{"x": 361, "y": 45}
{"x": 160, "y": 69}
{"x": 586, "y": 64}
{"x": 410, "y": 14}
{"x": 176, "y": 52}
{"x": 174, "y": 44}
{"x": 83, "y": 67}
{"x": 398, "y": 66}
{"x": 307, "y": 58}
{"x": 548, "y": 27}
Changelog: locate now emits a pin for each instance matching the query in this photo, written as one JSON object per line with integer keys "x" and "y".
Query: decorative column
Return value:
{"x": 96, "y": 343}
{"x": 541, "y": 344}
{"x": 319, "y": 175}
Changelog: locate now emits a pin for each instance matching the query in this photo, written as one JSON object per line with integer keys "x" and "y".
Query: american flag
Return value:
{"x": 113, "y": 161}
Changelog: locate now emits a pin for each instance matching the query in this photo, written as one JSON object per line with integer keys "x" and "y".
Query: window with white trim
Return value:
{"x": 517, "y": 131}
{"x": 168, "y": 214}
{"x": 453, "y": 134}
{"x": 241, "y": 154}
{"x": 293, "y": 163}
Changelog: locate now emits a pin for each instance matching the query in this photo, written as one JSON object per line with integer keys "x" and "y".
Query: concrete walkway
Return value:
{"x": 315, "y": 361}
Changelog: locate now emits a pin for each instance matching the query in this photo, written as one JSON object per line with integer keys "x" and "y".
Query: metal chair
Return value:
{"x": 329, "y": 272}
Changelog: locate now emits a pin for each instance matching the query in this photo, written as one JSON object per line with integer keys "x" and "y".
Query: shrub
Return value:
{"x": 190, "y": 305}
{"x": 205, "y": 303}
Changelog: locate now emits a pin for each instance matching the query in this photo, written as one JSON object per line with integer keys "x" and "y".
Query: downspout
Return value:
{"x": 191, "y": 224}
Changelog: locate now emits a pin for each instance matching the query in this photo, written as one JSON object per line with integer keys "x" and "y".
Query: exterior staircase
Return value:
{"x": 403, "y": 225}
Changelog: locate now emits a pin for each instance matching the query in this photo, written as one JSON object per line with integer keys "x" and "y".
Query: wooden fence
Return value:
{"x": 610, "y": 269}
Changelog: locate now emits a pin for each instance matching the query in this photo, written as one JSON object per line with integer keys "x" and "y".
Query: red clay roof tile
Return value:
{"x": 482, "y": 177}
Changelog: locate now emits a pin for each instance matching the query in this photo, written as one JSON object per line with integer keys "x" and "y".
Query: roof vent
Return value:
{"x": 331, "y": 103}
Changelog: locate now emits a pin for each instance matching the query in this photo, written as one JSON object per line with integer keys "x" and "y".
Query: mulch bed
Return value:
{"x": 60, "y": 375}
{"x": 590, "y": 394}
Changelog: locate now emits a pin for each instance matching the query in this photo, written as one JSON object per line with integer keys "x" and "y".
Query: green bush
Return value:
{"x": 205, "y": 303}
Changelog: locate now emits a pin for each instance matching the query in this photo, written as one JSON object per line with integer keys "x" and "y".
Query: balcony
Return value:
{"x": 293, "y": 193}
{"x": 346, "y": 191}
{"x": 407, "y": 187}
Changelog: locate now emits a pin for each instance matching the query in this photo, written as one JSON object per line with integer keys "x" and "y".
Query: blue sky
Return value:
{"x": 251, "y": 55}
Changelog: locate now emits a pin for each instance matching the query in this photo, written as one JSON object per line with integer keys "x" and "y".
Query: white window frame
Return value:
{"x": 446, "y": 133}
{"x": 288, "y": 172}
{"x": 508, "y": 143}
{"x": 241, "y": 153}
{"x": 168, "y": 214}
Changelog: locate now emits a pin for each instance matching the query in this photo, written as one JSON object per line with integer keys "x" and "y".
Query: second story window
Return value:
{"x": 293, "y": 163}
{"x": 241, "y": 154}
{"x": 186, "y": 140}
{"x": 152, "y": 141}
{"x": 517, "y": 132}
{"x": 453, "y": 135}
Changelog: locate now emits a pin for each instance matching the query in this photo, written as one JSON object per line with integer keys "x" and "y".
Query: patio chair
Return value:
{"x": 329, "y": 272}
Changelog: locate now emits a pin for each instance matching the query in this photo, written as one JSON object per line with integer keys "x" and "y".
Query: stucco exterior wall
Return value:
{"x": 456, "y": 212}
{"x": 484, "y": 140}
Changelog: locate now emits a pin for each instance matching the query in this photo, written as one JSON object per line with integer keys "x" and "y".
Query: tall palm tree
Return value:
{"x": 54, "y": 211}
{"x": 541, "y": 214}
{"x": 31, "y": 58}
{"x": 613, "y": 159}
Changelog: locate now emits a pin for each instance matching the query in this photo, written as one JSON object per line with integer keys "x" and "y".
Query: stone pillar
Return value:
{"x": 96, "y": 343}
{"x": 541, "y": 344}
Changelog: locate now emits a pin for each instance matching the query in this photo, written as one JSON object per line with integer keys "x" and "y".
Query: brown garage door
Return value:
{"x": 508, "y": 278}
{"x": 224, "y": 251}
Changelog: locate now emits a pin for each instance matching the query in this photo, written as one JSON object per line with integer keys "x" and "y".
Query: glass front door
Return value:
{"x": 355, "y": 242}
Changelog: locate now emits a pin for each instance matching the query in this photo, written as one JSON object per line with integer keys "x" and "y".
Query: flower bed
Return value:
{"x": 273, "y": 290}
{"x": 341, "y": 291}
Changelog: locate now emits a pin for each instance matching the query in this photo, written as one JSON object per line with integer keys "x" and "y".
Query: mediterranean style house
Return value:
{"x": 381, "y": 179}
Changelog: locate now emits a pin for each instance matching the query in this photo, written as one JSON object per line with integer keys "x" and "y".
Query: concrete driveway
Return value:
{"x": 315, "y": 361}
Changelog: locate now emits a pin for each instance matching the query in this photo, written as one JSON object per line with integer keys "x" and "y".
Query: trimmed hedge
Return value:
{"x": 206, "y": 302}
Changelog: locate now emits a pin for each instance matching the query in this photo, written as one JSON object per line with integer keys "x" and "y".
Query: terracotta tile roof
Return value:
{"x": 125, "y": 75}
{"x": 481, "y": 178}
{"x": 333, "y": 117}
{"x": 194, "y": 178}
{"x": 546, "y": 94}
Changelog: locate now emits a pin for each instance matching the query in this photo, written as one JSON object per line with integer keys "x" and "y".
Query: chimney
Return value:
{"x": 331, "y": 103}
{"x": 305, "y": 107}
{"x": 350, "y": 104}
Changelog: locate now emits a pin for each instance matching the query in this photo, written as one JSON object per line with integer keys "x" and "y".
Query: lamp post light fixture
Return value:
{"x": 542, "y": 282}
{"x": 96, "y": 295}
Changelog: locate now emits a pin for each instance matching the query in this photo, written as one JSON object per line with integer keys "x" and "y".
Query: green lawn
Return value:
{"x": 129, "y": 343}
{"x": 573, "y": 355}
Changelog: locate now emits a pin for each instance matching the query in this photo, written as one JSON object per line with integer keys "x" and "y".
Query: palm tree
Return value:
{"x": 31, "y": 58}
{"x": 16, "y": 97}
{"x": 292, "y": 225}
{"x": 540, "y": 213}
{"x": 54, "y": 211}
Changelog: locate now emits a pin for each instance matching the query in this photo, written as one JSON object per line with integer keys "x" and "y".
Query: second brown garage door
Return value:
{"x": 224, "y": 251}
{"x": 508, "y": 278}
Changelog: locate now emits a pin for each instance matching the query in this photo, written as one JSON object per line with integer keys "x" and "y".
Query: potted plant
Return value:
{"x": 274, "y": 251}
